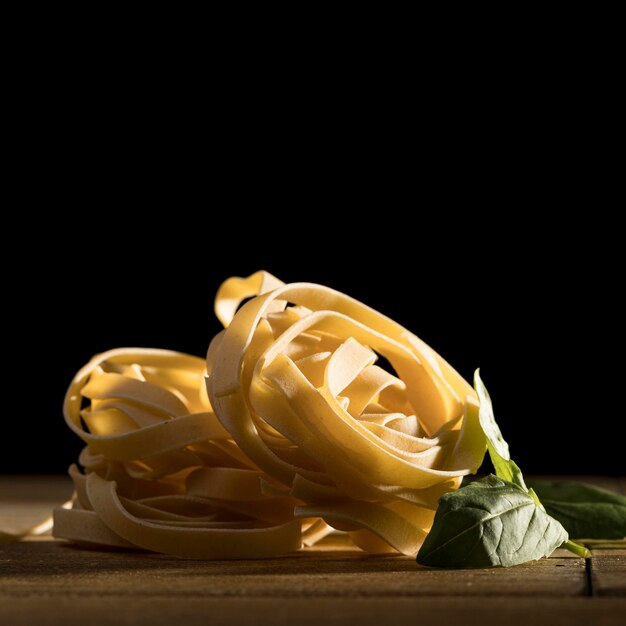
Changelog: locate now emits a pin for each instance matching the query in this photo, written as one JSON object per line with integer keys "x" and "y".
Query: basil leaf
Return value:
{"x": 491, "y": 522}
{"x": 498, "y": 448}
{"x": 586, "y": 512}
{"x": 496, "y": 521}
{"x": 505, "y": 467}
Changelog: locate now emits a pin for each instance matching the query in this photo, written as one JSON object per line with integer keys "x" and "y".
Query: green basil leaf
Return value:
{"x": 498, "y": 448}
{"x": 491, "y": 522}
{"x": 585, "y": 511}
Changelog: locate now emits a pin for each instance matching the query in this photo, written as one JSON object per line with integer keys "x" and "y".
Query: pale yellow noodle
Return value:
{"x": 288, "y": 430}
{"x": 162, "y": 473}
{"x": 369, "y": 451}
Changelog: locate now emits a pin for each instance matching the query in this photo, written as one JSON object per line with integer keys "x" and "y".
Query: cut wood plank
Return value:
{"x": 27, "y": 500}
{"x": 198, "y": 611}
{"x": 34, "y": 488}
{"x": 52, "y": 568}
{"x": 608, "y": 572}
{"x": 612, "y": 483}
{"x": 51, "y": 582}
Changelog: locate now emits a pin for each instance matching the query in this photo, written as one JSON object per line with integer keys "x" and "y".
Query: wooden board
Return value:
{"x": 50, "y": 582}
{"x": 608, "y": 573}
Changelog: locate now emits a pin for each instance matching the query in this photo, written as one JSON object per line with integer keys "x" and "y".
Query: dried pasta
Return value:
{"x": 287, "y": 431}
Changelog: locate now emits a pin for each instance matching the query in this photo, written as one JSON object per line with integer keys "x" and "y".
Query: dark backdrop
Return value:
{"x": 525, "y": 301}
{"x": 122, "y": 170}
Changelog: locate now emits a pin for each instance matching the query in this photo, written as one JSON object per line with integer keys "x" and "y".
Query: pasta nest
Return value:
{"x": 311, "y": 413}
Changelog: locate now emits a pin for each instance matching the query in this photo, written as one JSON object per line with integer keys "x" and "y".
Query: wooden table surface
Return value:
{"x": 43, "y": 581}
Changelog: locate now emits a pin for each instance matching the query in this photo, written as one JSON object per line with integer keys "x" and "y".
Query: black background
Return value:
{"x": 480, "y": 215}
{"x": 513, "y": 296}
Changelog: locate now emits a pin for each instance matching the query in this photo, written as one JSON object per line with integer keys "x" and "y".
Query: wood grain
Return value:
{"x": 26, "y": 500}
{"x": 312, "y": 611}
{"x": 608, "y": 573}
{"x": 52, "y": 582}
{"x": 28, "y": 568}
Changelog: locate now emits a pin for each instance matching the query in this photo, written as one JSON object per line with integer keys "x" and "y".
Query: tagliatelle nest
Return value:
{"x": 288, "y": 430}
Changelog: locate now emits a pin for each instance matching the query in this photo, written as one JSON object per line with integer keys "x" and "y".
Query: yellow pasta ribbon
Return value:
{"x": 294, "y": 379}
{"x": 289, "y": 429}
{"x": 162, "y": 473}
